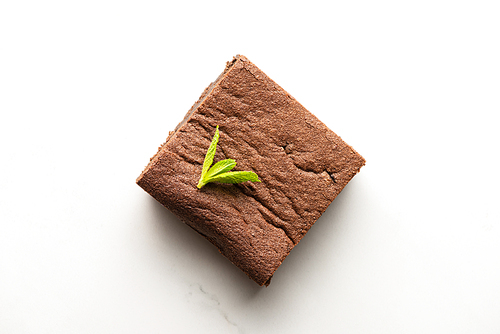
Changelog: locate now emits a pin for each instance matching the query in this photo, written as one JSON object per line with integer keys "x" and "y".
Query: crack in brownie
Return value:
{"x": 302, "y": 164}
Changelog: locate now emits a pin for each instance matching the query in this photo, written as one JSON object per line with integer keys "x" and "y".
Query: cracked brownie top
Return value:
{"x": 302, "y": 164}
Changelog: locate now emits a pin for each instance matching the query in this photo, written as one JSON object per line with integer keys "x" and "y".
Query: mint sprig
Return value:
{"x": 220, "y": 172}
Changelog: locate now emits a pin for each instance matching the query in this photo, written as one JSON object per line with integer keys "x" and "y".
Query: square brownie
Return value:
{"x": 301, "y": 163}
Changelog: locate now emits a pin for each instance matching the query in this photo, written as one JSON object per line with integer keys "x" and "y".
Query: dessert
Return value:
{"x": 301, "y": 163}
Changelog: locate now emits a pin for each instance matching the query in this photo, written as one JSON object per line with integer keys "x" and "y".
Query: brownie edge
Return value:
{"x": 301, "y": 163}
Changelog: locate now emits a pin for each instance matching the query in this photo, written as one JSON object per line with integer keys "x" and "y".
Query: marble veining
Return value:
{"x": 198, "y": 295}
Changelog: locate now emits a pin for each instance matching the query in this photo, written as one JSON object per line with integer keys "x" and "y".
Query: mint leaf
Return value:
{"x": 209, "y": 157}
{"x": 221, "y": 167}
{"x": 220, "y": 172}
{"x": 235, "y": 177}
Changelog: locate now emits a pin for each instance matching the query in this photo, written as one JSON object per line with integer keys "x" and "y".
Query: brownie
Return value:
{"x": 301, "y": 163}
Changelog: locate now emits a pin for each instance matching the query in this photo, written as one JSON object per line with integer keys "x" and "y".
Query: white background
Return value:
{"x": 90, "y": 89}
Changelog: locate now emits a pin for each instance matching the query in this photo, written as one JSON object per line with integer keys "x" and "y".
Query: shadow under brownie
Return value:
{"x": 301, "y": 163}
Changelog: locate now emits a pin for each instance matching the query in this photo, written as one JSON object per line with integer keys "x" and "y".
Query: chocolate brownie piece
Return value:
{"x": 302, "y": 164}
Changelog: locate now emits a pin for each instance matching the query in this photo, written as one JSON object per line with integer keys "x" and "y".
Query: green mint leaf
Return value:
{"x": 221, "y": 167}
{"x": 235, "y": 177}
{"x": 209, "y": 157}
{"x": 220, "y": 172}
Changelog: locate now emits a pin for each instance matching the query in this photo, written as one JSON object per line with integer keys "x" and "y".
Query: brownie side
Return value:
{"x": 302, "y": 164}
{"x": 222, "y": 214}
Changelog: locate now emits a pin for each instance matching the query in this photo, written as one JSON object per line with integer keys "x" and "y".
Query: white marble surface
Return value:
{"x": 88, "y": 90}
